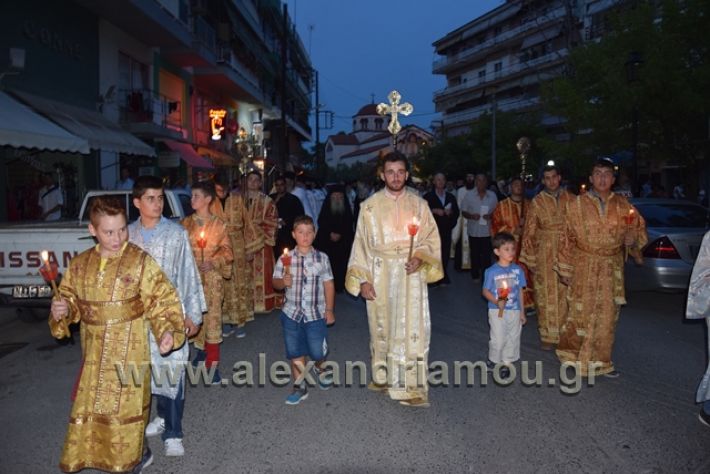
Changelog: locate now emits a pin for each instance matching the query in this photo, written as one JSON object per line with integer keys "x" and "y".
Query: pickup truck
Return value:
{"x": 21, "y": 285}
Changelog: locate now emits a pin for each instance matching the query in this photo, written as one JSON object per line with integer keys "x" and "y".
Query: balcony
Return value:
{"x": 230, "y": 76}
{"x": 445, "y": 64}
{"x": 514, "y": 70}
{"x": 469, "y": 115}
{"x": 149, "y": 114}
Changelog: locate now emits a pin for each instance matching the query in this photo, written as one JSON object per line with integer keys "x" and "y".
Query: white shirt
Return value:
{"x": 473, "y": 204}
{"x": 49, "y": 197}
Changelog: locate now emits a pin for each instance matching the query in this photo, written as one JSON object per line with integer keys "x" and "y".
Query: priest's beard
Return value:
{"x": 337, "y": 207}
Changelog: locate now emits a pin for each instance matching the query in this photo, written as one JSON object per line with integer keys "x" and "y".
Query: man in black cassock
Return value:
{"x": 335, "y": 233}
{"x": 288, "y": 207}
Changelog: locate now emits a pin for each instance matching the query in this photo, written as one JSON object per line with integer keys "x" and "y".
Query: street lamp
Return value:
{"x": 632, "y": 66}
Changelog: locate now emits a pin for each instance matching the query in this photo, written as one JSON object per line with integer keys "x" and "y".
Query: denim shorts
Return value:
{"x": 305, "y": 338}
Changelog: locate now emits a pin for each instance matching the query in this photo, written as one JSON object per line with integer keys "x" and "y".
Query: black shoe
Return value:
{"x": 504, "y": 373}
{"x": 704, "y": 417}
{"x": 614, "y": 374}
{"x": 146, "y": 461}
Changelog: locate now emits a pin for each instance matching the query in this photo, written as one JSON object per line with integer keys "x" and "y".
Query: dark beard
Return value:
{"x": 470, "y": 186}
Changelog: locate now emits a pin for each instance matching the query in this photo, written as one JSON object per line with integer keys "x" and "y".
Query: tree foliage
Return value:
{"x": 668, "y": 87}
{"x": 471, "y": 153}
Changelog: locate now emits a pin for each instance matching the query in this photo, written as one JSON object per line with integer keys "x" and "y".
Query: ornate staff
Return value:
{"x": 393, "y": 109}
{"x": 523, "y": 146}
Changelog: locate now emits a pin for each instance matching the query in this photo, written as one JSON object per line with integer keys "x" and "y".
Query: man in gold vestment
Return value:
{"x": 393, "y": 282}
{"x": 238, "y": 305}
{"x": 117, "y": 291}
{"x": 600, "y": 227}
{"x": 261, "y": 212}
{"x": 544, "y": 224}
{"x": 509, "y": 216}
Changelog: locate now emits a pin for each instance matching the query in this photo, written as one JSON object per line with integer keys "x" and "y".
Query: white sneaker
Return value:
{"x": 174, "y": 447}
{"x": 155, "y": 427}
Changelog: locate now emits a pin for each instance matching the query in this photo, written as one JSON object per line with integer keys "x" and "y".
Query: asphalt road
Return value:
{"x": 643, "y": 422}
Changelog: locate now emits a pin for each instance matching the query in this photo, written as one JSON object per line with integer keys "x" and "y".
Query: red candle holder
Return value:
{"x": 412, "y": 229}
{"x": 202, "y": 243}
{"x": 503, "y": 293}
{"x": 49, "y": 271}
{"x": 286, "y": 260}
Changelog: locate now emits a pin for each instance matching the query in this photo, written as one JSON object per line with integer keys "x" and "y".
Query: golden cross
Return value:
{"x": 393, "y": 109}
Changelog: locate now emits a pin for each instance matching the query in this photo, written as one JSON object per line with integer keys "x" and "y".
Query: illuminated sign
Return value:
{"x": 217, "y": 122}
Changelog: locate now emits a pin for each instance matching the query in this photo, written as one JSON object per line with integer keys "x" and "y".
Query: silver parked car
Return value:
{"x": 675, "y": 230}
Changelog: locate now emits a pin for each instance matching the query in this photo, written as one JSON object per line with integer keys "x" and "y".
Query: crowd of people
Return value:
{"x": 558, "y": 255}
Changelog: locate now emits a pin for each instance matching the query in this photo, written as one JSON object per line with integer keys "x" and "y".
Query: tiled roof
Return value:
{"x": 343, "y": 138}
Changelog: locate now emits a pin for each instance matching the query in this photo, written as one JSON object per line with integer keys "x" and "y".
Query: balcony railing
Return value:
{"x": 226, "y": 56}
{"x": 205, "y": 33}
{"x": 502, "y": 74}
{"x": 468, "y": 115}
{"x": 475, "y": 50}
{"x": 146, "y": 106}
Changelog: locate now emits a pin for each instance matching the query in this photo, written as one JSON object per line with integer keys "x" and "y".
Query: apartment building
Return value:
{"x": 500, "y": 58}
{"x": 175, "y": 88}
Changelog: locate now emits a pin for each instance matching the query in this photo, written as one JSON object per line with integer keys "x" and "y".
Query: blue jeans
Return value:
{"x": 171, "y": 411}
{"x": 706, "y": 406}
{"x": 305, "y": 338}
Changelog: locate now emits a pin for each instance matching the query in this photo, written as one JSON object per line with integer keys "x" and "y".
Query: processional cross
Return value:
{"x": 393, "y": 109}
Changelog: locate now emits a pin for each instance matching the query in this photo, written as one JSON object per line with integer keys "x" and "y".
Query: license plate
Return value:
{"x": 31, "y": 291}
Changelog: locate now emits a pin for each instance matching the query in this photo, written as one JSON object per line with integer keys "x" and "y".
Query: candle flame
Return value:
{"x": 202, "y": 234}
{"x": 631, "y": 212}
{"x": 45, "y": 256}
{"x": 285, "y": 250}
{"x": 415, "y": 221}
{"x": 505, "y": 284}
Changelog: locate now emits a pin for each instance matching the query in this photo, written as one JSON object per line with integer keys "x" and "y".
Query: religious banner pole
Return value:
{"x": 523, "y": 146}
{"x": 393, "y": 109}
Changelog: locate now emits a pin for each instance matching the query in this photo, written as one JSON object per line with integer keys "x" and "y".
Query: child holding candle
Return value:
{"x": 503, "y": 285}
{"x": 306, "y": 275}
{"x": 213, "y": 251}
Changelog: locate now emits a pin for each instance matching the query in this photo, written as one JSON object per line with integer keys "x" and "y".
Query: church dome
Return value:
{"x": 369, "y": 109}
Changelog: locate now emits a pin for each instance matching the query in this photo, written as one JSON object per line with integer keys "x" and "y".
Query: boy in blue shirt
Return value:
{"x": 503, "y": 289}
{"x": 308, "y": 306}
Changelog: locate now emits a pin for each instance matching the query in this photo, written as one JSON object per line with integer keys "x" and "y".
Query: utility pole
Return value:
{"x": 493, "y": 138}
{"x": 284, "y": 61}
{"x": 318, "y": 157}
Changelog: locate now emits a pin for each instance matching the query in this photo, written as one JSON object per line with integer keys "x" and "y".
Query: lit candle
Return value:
{"x": 202, "y": 243}
{"x": 286, "y": 260}
{"x": 503, "y": 292}
{"x": 412, "y": 229}
{"x": 49, "y": 273}
{"x": 629, "y": 221}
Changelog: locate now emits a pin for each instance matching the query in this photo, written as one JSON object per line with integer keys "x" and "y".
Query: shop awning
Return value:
{"x": 101, "y": 133}
{"x": 20, "y": 127}
{"x": 189, "y": 155}
{"x": 218, "y": 157}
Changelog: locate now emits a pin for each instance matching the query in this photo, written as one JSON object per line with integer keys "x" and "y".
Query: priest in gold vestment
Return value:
{"x": 600, "y": 228}
{"x": 544, "y": 224}
{"x": 116, "y": 290}
{"x": 509, "y": 216}
{"x": 238, "y": 306}
{"x": 395, "y": 285}
{"x": 261, "y": 212}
